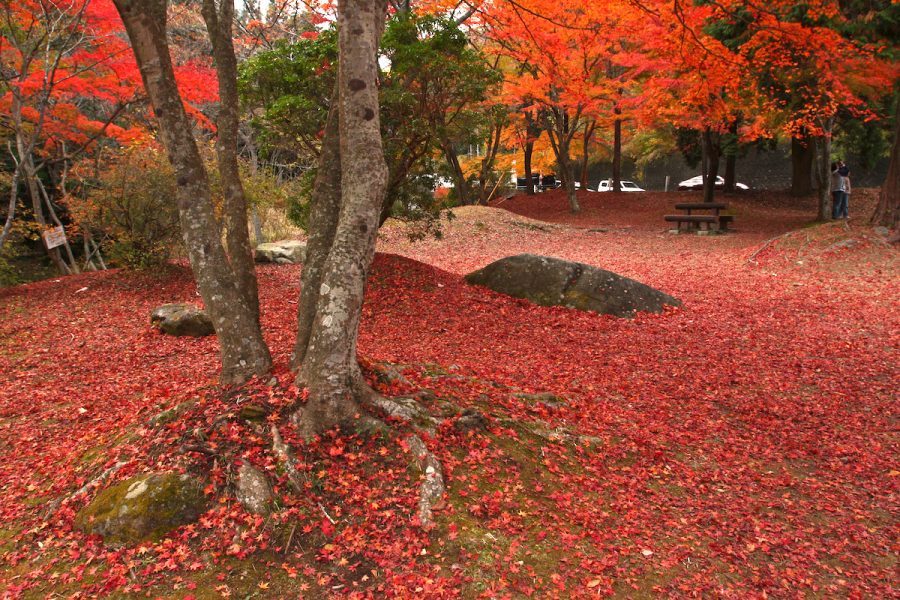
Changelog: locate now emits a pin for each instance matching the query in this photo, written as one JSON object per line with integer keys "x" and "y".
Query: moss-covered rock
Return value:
{"x": 142, "y": 508}
{"x": 285, "y": 252}
{"x": 182, "y": 320}
{"x": 555, "y": 282}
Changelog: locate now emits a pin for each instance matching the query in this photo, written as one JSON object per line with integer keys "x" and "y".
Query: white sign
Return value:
{"x": 54, "y": 237}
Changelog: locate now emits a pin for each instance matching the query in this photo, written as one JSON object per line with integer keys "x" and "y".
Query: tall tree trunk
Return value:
{"x": 30, "y": 176}
{"x": 242, "y": 349}
{"x": 532, "y": 133}
{"x": 529, "y": 181}
{"x": 11, "y": 206}
{"x": 887, "y": 212}
{"x": 559, "y": 132}
{"x": 589, "y": 128}
{"x": 823, "y": 170}
{"x": 237, "y": 231}
{"x": 325, "y": 208}
{"x": 567, "y": 175}
{"x": 329, "y": 368}
{"x": 711, "y": 172}
{"x": 463, "y": 195}
{"x": 617, "y": 153}
{"x": 730, "y": 176}
{"x": 487, "y": 163}
{"x": 803, "y": 153}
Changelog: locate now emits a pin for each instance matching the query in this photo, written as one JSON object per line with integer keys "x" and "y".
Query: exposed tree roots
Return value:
{"x": 93, "y": 483}
{"x": 402, "y": 409}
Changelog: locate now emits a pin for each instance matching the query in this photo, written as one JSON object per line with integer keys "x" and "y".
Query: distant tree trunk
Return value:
{"x": 803, "y": 153}
{"x": 532, "y": 132}
{"x": 529, "y": 182}
{"x": 823, "y": 170}
{"x": 617, "y": 153}
{"x": 329, "y": 367}
{"x": 242, "y": 349}
{"x": 730, "y": 178}
{"x": 237, "y": 231}
{"x": 730, "y": 175}
{"x": 560, "y": 130}
{"x": 589, "y": 128}
{"x": 487, "y": 162}
{"x": 567, "y": 176}
{"x": 711, "y": 169}
{"x": 459, "y": 176}
{"x": 887, "y": 212}
{"x": 11, "y": 206}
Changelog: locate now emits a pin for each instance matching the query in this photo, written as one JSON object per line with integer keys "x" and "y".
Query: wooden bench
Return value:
{"x": 701, "y": 222}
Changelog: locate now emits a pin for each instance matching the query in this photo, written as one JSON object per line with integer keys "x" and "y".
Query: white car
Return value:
{"x": 627, "y": 186}
{"x": 696, "y": 183}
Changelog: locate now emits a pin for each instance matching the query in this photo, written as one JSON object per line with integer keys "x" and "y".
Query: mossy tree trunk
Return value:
{"x": 328, "y": 364}
{"x": 242, "y": 350}
{"x": 237, "y": 231}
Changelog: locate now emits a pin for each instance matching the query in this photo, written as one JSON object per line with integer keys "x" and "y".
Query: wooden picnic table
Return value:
{"x": 701, "y": 222}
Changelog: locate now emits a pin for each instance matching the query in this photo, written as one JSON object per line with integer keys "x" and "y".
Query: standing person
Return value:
{"x": 844, "y": 209}
{"x": 837, "y": 189}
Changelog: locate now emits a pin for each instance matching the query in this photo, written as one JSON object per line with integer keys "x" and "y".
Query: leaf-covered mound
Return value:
{"x": 740, "y": 444}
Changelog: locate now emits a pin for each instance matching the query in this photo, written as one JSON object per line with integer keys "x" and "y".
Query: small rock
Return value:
{"x": 881, "y": 230}
{"x": 143, "y": 508}
{"x": 252, "y": 412}
{"x": 471, "y": 420}
{"x": 283, "y": 252}
{"x": 182, "y": 320}
{"x": 254, "y": 491}
{"x": 547, "y": 399}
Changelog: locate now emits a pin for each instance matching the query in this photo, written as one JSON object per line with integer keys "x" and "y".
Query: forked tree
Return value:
{"x": 236, "y": 320}
{"x": 344, "y": 218}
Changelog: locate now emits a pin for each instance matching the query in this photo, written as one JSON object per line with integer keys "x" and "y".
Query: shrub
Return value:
{"x": 133, "y": 207}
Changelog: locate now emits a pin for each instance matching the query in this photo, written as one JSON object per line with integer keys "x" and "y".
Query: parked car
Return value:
{"x": 627, "y": 186}
{"x": 696, "y": 183}
{"x": 550, "y": 182}
{"x": 522, "y": 182}
{"x": 547, "y": 181}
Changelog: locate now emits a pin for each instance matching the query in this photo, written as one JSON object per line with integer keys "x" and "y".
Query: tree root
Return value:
{"x": 286, "y": 457}
{"x": 432, "y": 489}
{"x": 96, "y": 481}
{"x": 766, "y": 244}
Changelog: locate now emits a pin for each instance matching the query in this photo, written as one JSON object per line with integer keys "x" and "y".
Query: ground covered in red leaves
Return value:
{"x": 745, "y": 444}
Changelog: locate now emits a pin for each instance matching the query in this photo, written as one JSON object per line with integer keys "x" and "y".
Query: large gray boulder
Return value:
{"x": 182, "y": 319}
{"x": 283, "y": 253}
{"x": 142, "y": 508}
{"x": 555, "y": 282}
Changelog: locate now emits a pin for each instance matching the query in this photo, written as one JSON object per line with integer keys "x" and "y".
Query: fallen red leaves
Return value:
{"x": 745, "y": 443}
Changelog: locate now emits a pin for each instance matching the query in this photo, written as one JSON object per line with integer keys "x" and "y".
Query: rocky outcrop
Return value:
{"x": 181, "y": 320}
{"x": 555, "y": 282}
{"x": 142, "y": 508}
{"x": 283, "y": 253}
